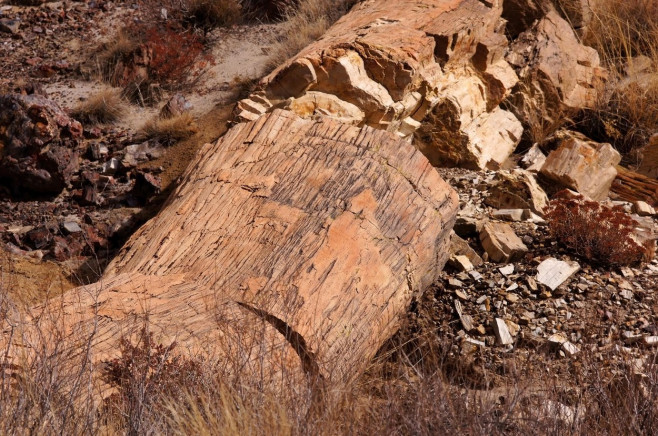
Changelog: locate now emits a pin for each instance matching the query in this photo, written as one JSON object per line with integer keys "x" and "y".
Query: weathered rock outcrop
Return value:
{"x": 522, "y": 14}
{"x": 558, "y": 76}
{"x": 290, "y": 244}
{"x": 403, "y": 65}
{"x": 37, "y": 143}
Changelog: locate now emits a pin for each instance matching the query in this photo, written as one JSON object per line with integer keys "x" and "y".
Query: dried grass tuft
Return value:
{"x": 170, "y": 130}
{"x": 626, "y": 35}
{"x": 305, "y": 24}
{"x": 105, "y": 106}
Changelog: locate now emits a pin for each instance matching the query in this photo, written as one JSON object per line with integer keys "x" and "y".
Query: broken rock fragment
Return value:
{"x": 39, "y": 143}
{"x": 460, "y": 247}
{"x": 503, "y": 336}
{"x": 517, "y": 189}
{"x": 553, "y": 272}
{"x": 501, "y": 243}
{"x": 586, "y": 167}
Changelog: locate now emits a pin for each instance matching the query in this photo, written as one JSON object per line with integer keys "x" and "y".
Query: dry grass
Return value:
{"x": 105, "y": 106}
{"x": 306, "y": 23}
{"x": 209, "y": 14}
{"x": 170, "y": 130}
{"x": 628, "y": 111}
{"x": 118, "y": 48}
{"x": 410, "y": 388}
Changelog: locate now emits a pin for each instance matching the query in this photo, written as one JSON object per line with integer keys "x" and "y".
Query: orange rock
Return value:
{"x": 290, "y": 247}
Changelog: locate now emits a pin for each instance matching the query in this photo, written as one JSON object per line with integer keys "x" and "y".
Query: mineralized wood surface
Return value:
{"x": 389, "y": 63}
{"x": 290, "y": 243}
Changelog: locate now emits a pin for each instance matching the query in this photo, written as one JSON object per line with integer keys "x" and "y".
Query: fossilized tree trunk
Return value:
{"x": 405, "y": 65}
{"x": 290, "y": 247}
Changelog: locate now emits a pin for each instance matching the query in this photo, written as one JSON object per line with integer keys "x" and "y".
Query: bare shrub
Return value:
{"x": 105, "y": 106}
{"x": 593, "y": 230}
{"x": 170, "y": 130}
{"x": 144, "y": 374}
{"x": 209, "y": 14}
{"x": 119, "y": 48}
{"x": 173, "y": 52}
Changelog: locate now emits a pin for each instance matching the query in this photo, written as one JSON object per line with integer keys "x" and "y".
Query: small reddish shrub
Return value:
{"x": 594, "y": 231}
{"x": 174, "y": 52}
{"x": 143, "y": 375}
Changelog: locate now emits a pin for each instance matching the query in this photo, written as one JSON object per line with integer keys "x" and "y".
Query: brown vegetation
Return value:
{"x": 306, "y": 23}
{"x": 412, "y": 387}
{"x": 170, "y": 130}
{"x": 105, "y": 106}
{"x": 593, "y": 230}
{"x": 209, "y": 14}
{"x": 626, "y": 36}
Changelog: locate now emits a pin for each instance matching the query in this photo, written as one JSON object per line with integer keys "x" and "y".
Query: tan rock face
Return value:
{"x": 517, "y": 189}
{"x": 401, "y": 65}
{"x": 649, "y": 163}
{"x": 501, "y": 243}
{"x": 305, "y": 237}
{"x": 557, "y": 74}
{"x": 586, "y": 167}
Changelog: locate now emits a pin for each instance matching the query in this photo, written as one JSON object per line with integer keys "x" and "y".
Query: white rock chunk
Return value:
{"x": 502, "y": 333}
{"x": 553, "y": 272}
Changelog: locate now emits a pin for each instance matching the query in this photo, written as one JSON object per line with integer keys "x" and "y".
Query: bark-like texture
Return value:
{"x": 290, "y": 244}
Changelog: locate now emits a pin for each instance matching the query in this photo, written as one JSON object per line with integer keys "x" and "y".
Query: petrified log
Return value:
{"x": 388, "y": 63}
{"x": 291, "y": 246}
{"x": 632, "y": 186}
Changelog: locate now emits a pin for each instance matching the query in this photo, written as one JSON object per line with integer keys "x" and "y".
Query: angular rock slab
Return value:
{"x": 587, "y": 167}
{"x": 553, "y": 272}
{"x": 322, "y": 231}
{"x": 501, "y": 243}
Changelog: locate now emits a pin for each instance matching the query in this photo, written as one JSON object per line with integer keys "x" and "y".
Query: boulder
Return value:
{"x": 517, "y": 189}
{"x": 578, "y": 13}
{"x": 433, "y": 71}
{"x": 39, "y": 142}
{"x": 558, "y": 76}
{"x": 584, "y": 166}
{"x": 460, "y": 247}
{"x": 337, "y": 229}
{"x": 501, "y": 243}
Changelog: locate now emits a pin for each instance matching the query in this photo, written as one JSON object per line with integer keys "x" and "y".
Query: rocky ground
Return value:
{"x": 511, "y": 301}
{"x": 493, "y": 322}
{"x": 70, "y": 223}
